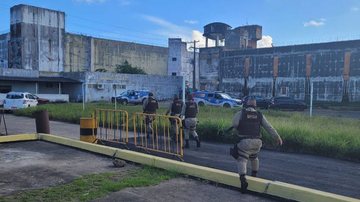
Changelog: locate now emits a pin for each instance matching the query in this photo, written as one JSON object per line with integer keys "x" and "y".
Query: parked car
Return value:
{"x": 215, "y": 99}
{"x": 261, "y": 102}
{"x": 287, "y": 103}
{"x": 18, "y": 100}
{"x": 41, "y": 100}
{"x": 131, "y": 96}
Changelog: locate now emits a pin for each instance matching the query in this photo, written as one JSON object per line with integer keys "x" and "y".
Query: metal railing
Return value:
{"x": 158, "y": 133}
{"x": 150, "y": 133}
{"x": 112, "y": 125}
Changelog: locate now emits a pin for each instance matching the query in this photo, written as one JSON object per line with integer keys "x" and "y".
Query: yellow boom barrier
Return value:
{"x": 158, "y": 133}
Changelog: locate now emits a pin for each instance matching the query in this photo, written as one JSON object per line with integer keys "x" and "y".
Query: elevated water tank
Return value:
{"x": 216, "y": 31}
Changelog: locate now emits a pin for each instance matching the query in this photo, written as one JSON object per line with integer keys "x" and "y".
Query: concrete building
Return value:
{"x": 240, "y": 68}
{"x": 181, "y": 61}
{"x": 40, "y": 57}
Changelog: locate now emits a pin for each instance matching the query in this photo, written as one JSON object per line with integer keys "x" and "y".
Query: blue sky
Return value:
{"x": 153, "y": 21}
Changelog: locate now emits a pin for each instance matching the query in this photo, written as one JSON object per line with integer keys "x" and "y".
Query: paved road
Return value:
{"x": 326, "y": 174}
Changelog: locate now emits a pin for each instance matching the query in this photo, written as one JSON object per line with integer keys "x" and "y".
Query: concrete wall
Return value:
{"x": 18, "y": 73}
{"x": 180, "y": 61}
{"x": 333, "y": 68}
{"x": 4, "y": 40}
{"x": 99, "y": 86}
{"x": 209, "y": 64}
{"x": 21, "y": 86}
{"x": 36, "y": 38}
{"x": 84, "y": 53}
{"x": 108, "y": 53}
{"x": 77, "y": 53}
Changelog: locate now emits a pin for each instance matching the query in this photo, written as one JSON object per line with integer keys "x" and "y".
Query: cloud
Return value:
{"x": 191, "y": 22}
{"x": 355, "y": 9}
{"x": 90, "y": 1}
{"x": 198, "y": 36}
{"x": 168, "y": 29}
{"x": 315, "y": 23}
{"x": 266, "y": 41}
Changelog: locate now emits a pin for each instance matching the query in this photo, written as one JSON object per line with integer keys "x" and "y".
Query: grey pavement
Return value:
{"x": 326, "y": 174}
{"x": 36, "y": 165}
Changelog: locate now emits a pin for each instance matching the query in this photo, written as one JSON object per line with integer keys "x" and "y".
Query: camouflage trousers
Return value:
{"x": 190, "y": 128}
{"x": 248, "y": 149}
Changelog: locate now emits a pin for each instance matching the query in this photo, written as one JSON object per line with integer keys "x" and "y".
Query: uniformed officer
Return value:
{"x": 174, "y": 110}
{"x": 248, "y": 122}
{"x": 150, "y": 106}
{"x": 190, "y": 110}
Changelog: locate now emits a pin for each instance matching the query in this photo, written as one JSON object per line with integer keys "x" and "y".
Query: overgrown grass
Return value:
{"x": 90, "y": 187}
{"x": 332, "y": 137}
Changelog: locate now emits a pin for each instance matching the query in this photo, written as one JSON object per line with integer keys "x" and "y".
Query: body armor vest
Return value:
{"x": 176, "y": 107}
{"x": 191, "y": 110}
{"x": 249, "y": 124}
{"x": 151, "y": 106}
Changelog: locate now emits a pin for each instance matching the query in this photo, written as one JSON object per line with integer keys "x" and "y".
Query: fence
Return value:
{"x": 159, "y": 133}
{"x": 149, "y": 133}
{"x": 112, "y": 125}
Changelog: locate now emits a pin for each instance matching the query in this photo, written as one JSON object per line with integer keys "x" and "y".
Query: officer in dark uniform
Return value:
{"x": 174, "y": 110}
{"x": 190, "y": 110}
{"x": 247, "y": 123}
{"x": 150, "y": 106}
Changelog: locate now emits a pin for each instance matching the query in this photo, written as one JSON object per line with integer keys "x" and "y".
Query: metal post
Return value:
{"x": 115, "y": 100}
{"x": 59, "y": 88}
{"x": 83, "y": 92}
{"x": 194, "y": 73}
{"x": 311, "y": 97}
{"x": 36, "y": 88}
{"x": 183, "y": 89}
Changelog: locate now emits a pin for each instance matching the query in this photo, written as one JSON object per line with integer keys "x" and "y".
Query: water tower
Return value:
{"x": 215, "y": 31}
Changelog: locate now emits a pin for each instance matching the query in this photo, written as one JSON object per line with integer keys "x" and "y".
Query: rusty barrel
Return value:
{"x": 42, "y": 121}
{"x": 88, "y": 130}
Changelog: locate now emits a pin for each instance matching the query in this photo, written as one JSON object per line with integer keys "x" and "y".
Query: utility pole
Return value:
{"x": 194, "y": 65}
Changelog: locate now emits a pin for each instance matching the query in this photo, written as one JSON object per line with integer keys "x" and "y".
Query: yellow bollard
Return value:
{"x": 88, "y": 130}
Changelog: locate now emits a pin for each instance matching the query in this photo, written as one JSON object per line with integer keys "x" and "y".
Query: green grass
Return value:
{"x": 326, "y": 136}
{"x": 90, "y": 187}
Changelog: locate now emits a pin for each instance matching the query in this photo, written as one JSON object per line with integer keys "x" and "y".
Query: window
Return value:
{"x": 284, "y": 90}
{"x": 173, "y": 59}
{"x": 173, "y": 74}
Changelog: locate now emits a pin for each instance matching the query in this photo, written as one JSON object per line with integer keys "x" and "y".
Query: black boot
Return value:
{"x": 254, "y": 173}
{"x": 186, "y": 143}
{"x": 197, "y": 142}
{"x": 244, "y": 184}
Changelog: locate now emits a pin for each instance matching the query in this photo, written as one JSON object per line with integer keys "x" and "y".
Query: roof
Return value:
{"x": 39, "y": 79}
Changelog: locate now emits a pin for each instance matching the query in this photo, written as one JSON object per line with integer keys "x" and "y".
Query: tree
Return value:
{"x": 126, "y": 68}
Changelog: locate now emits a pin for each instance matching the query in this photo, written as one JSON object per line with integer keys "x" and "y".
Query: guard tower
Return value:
{"x": 215, "y": 31}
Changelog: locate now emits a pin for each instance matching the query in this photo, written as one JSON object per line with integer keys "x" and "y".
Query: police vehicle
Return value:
{"x": 215, "y": 99}
{"x": 131, "y": 96}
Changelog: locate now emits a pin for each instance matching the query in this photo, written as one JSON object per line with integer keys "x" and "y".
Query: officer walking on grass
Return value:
{"x": 150, "y": 106}
{"x": 190, "y": 110}
{"x": 174, "y": 110}
{"x": 248, "y": 122}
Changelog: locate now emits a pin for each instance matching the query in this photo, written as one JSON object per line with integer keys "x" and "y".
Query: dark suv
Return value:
{"x": 287, "y": 103}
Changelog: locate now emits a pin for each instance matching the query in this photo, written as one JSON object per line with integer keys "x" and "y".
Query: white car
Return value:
{"x": 19, "y": 100}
